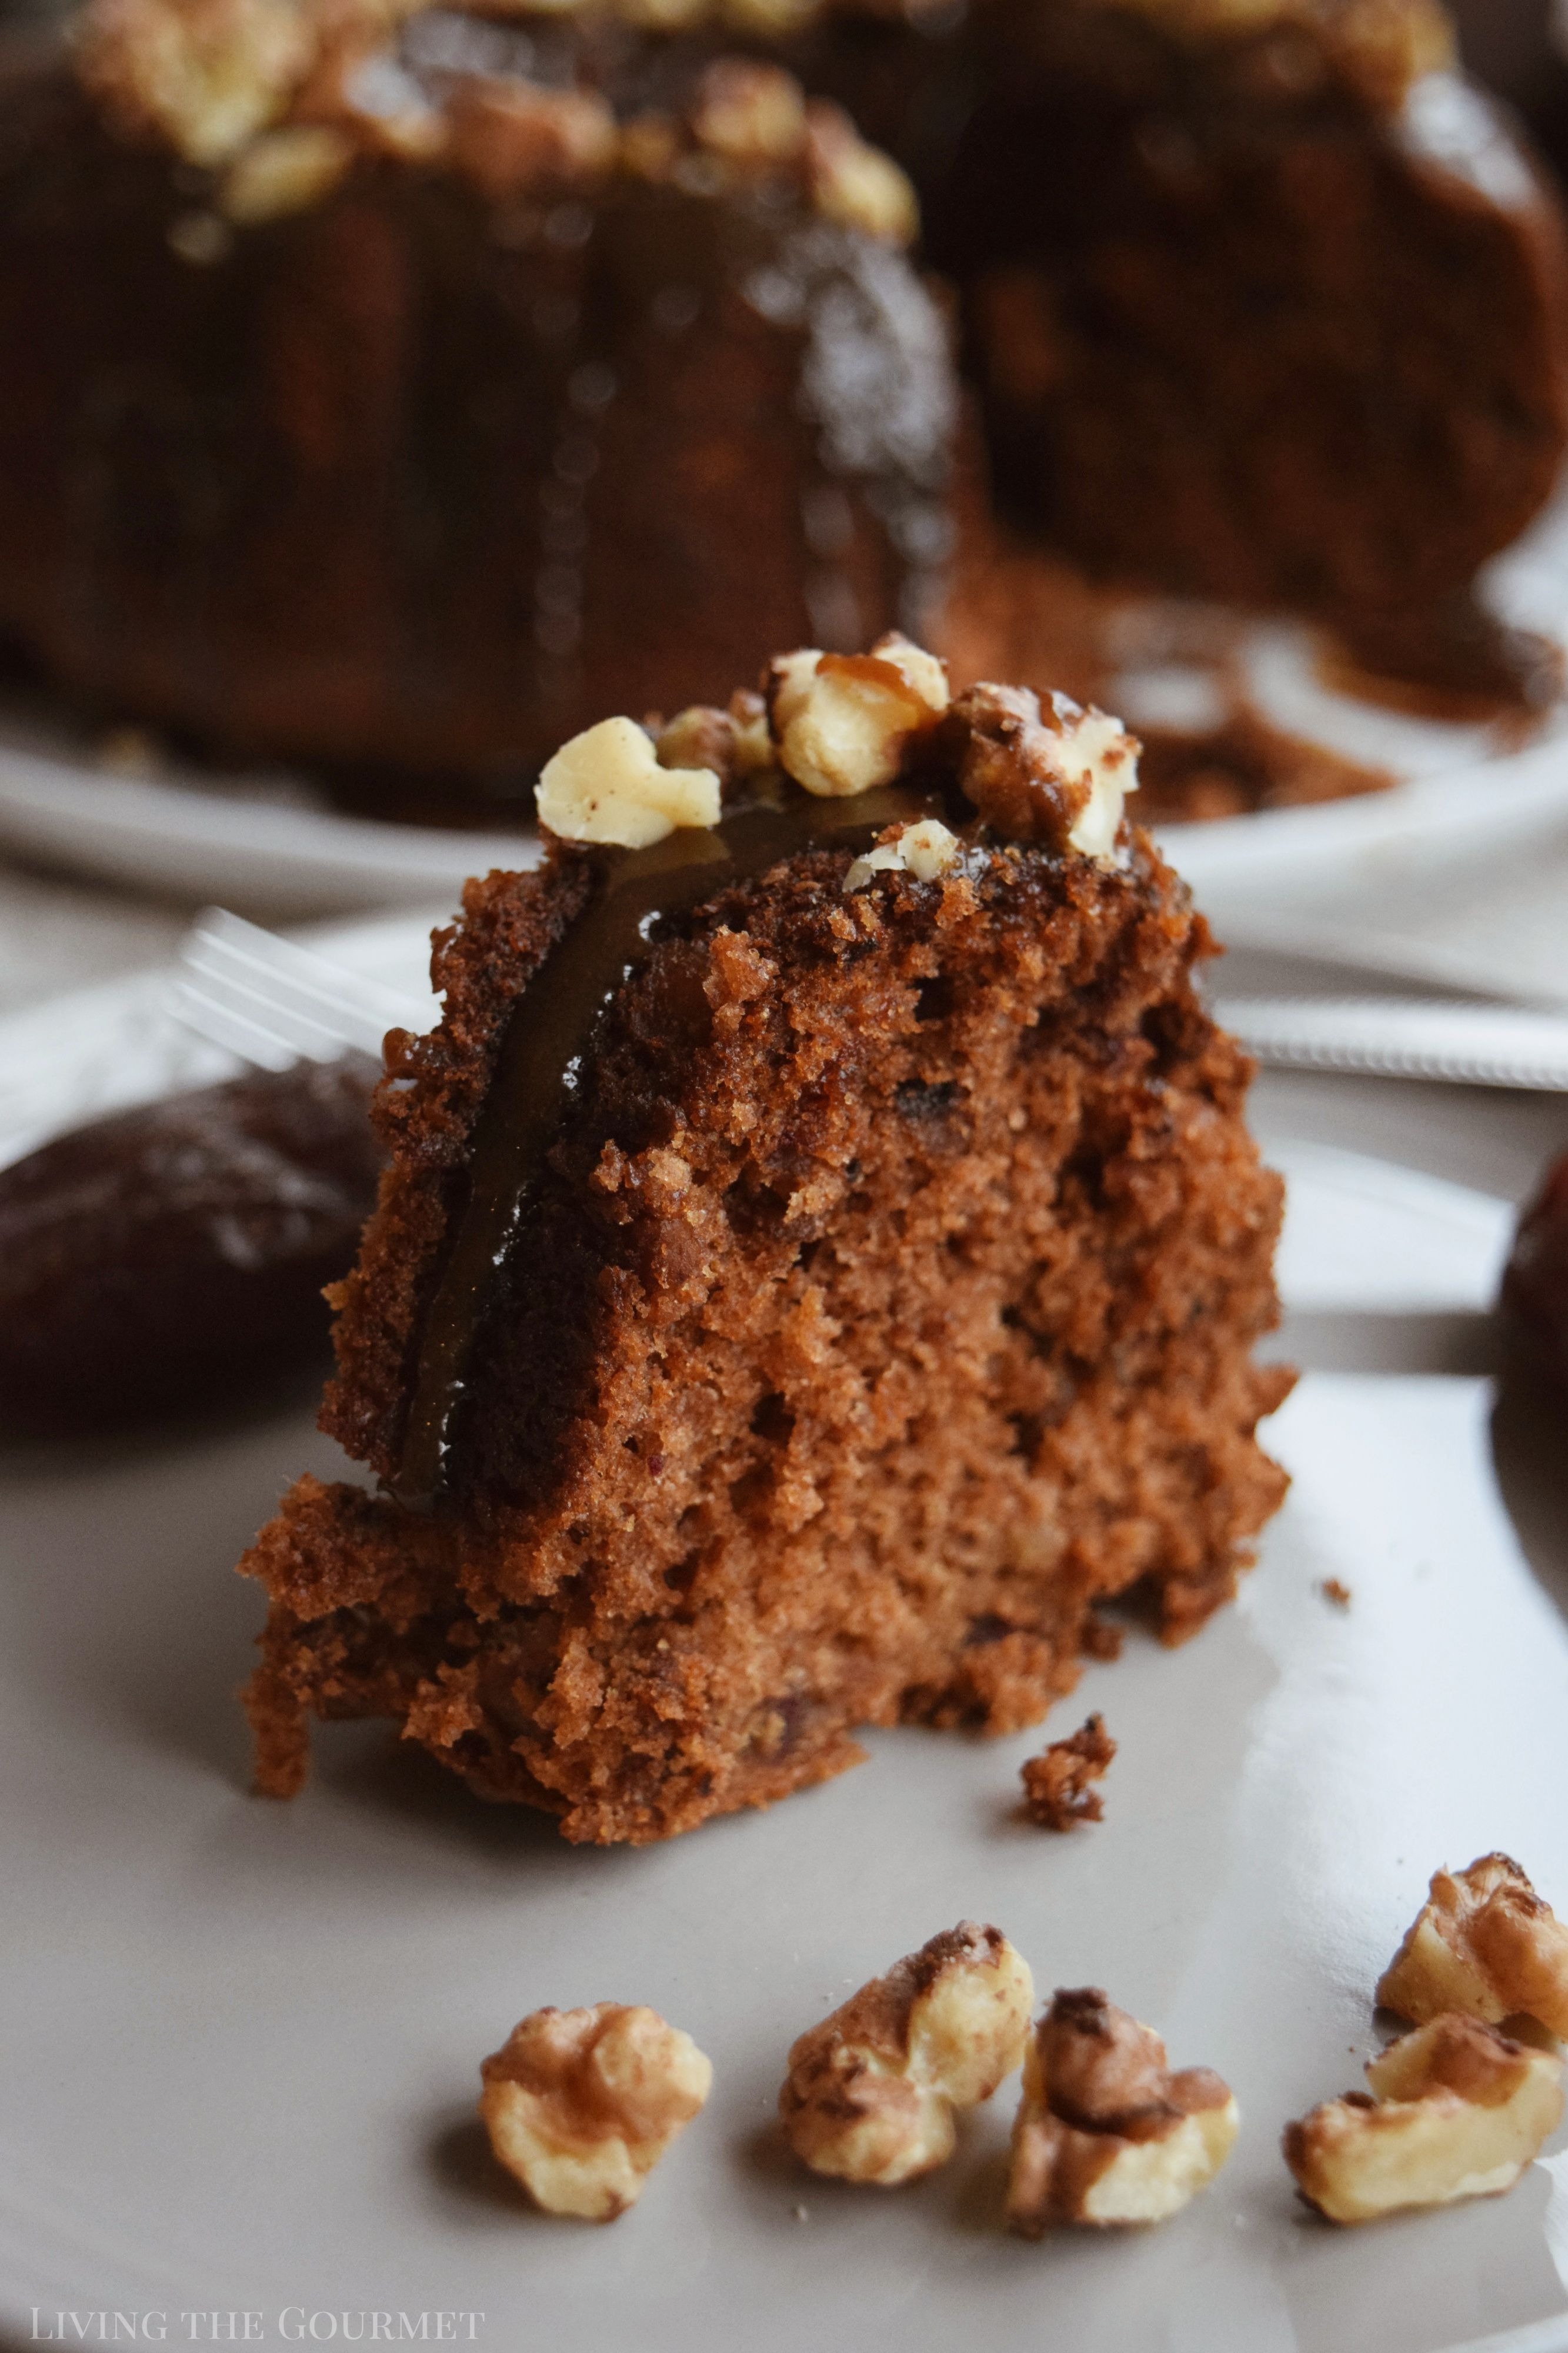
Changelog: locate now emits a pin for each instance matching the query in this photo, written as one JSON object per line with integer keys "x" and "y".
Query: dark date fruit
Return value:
{"x": 1535, "y": 1282}
{"x": 170, "y": 1259}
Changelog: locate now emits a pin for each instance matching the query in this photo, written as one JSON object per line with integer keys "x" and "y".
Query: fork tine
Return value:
{"x": 275, "y": 1002}
{"x": 210, "y": 1018}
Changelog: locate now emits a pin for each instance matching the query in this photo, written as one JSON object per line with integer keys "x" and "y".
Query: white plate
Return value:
{"x": 237, "y": 2069}
{"x": 271, "y": 843}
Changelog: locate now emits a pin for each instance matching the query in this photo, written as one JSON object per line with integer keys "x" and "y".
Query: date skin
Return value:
{"x": 170, "y": 1260}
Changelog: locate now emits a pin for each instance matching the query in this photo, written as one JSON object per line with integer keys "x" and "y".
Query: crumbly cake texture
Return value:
{"x": 886, "y": 1300}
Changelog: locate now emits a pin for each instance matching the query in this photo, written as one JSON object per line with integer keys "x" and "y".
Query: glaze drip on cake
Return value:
{"x": 629, "y": 894}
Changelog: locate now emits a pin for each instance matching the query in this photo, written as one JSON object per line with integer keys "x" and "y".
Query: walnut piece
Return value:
{"x": 1057, "y": 1784}
{"x": 843, "y": 722}
{"x": 734, "y": 743}
{"x": 1383, "y": 47}
{"x": 606, "y": 785}
{"x": 1050, "y": 772}
{"x": 1458, "y": 2111}
{"x": 854, "y": 183}
{"x": 580, "y": 2105}
{"x": 927, "y": 851}
{"x": 207, "y": 75}
{"x": 1485, "y": 1943}
{"x": 1106, "y": 2133}
{"x": 871, "y": 2092}
{"x": 750, "y": 114}
{"x": 508, "y": 135}
{"x": 284, "y": 172}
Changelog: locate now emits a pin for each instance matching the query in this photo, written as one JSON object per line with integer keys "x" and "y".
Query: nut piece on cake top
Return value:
{"x": 871, "y": 2092}
{"x": 839, "y": 725}
{"x": 1107, "y": 2133}
{"x": 1457, "y": 2110}
{"x": 580, "y": 2105}
{"x": 1485, "y": 1944}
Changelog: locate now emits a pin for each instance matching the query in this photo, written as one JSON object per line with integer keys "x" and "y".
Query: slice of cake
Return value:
{"x": 820, "y": 1258}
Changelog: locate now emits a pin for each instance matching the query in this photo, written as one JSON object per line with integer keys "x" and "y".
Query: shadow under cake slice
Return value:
{"x": 821, "y": 1255}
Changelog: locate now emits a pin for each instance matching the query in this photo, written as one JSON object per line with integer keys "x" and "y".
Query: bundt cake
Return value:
{"x": 389, "y": 412}
{"x": 820, "y": 1258}
{"x": 397, "y": 390}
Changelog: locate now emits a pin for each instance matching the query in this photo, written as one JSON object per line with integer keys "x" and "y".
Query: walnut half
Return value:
{"x": 1106, "y": 2134}
{"x": 871, "y": 2092}
{"x": 1046, "y": 770}
{"x": 608, "y": 786}
{"x": 843, "y": 722}
{"x": 1456, "y": 2111}
{"x": 580, "y": 2105}
{"x": 1485, "y": 1943}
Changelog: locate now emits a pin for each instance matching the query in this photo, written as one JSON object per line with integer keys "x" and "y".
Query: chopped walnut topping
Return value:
{"x": 871, "y": 2092}
{"x": 698, "y": 737}
{"x": 1382, "y": 44}
{"x": 753, "y": 738}
{"x": 1485, "y": 1943}
{"x": 1050, "y": 772}
{"x": 927, "y": 851}
{"x": 1106, "y": 2134}
{"x": 749, "y": 113}
{"x": 1458, "y": 2111}
{"x": 769, "y": 19}
{"x": 734, "y": 743}
{"x": 1057, "y": 1791}
{"x": 507, "y": 135}
{"x": 608, "y": 786}
{"x": 663, "y": 15}
{"x": 284, "y": 172}
{"x": 854, "y": 183}
{"x": 843, "y": 722}
{"x": 377, "y": 101}
{"x": 207, "y": 75}
{"x": 580, "y": 2105}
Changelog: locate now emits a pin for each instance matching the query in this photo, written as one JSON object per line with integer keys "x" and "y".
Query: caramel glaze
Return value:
{"x": 550, "y": 1037}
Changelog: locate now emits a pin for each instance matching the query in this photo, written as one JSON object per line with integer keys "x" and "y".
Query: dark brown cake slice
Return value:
{"x": 380, "y": 407}
{"x": 820, "y": 1257}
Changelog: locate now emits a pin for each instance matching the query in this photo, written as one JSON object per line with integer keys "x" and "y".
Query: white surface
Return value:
{"x": 241, "y": 2043}
{"x": 173, "y": 837}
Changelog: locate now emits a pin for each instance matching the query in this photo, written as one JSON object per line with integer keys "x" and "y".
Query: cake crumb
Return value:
{"x": 1334, "y": 1590}
{"x": 1057, "y": 1791}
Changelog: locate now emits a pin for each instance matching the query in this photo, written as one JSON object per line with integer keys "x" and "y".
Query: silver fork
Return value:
{"x": 275, "y": 1004}
{"x": 1397, "y": 1038}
